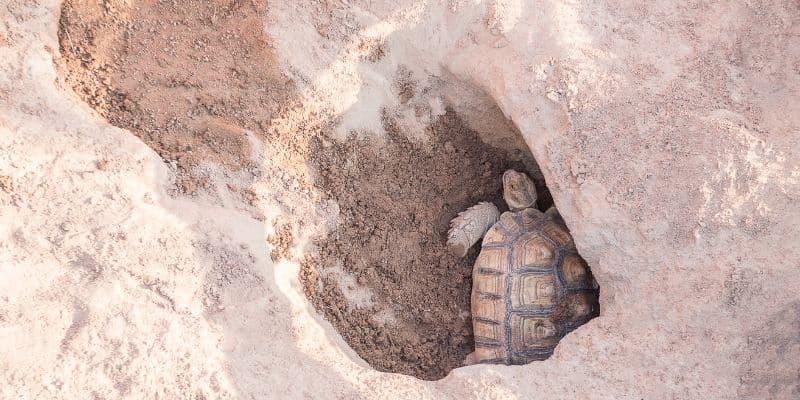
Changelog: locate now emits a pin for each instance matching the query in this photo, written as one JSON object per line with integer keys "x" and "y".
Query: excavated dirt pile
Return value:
{"x": 192, "y": 81}
{"x": 188, "y": 79}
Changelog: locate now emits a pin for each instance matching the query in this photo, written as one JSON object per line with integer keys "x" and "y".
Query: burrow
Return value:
{"x": 191, "y": 81}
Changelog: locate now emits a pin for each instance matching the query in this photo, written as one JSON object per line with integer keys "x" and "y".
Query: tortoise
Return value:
{"x": 530, "y": 285}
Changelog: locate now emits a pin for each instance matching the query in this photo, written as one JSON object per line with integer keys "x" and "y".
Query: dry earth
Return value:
{"x": 158, "y": 209}
{"x": 165, "y": 71}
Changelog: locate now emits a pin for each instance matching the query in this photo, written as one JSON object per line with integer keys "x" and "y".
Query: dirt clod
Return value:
{"x": 281, "y": 241}
{"x": 6, "y": 183}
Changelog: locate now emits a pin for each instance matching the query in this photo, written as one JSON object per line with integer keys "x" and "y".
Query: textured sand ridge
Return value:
{"x": 667, "y": 134}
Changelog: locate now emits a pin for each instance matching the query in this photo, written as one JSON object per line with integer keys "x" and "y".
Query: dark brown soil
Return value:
{"x": 396, "y": 201}
{"x": 190, "y": 78}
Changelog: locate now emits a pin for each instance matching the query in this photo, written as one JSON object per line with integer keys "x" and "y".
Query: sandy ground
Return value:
{"x": 668, "y": 137}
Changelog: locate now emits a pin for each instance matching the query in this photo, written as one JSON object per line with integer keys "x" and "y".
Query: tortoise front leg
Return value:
{"x": 469, "y": 226}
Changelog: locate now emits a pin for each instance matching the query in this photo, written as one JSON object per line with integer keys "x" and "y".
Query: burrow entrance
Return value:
{"x": 191, "y": 79}
{"x": 387, "y": 281}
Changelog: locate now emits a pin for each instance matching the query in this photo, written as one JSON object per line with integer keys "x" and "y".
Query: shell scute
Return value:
{"x": 492, "y": 259}
{"x": 557, "y": 234}
{"x": 533, "y": 291}
{"x": 532, "y": 250}
{"x": 495, "y": 235}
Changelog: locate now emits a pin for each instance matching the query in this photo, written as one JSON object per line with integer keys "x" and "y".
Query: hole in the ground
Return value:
{"x": 189, "y": 81}
{"x": 386, "y": 280}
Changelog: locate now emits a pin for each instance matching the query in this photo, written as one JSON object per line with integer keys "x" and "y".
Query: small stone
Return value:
{"x": 448, "y": 147}
{"x": 427, "y": 317}
{"x": 6, "y": 183}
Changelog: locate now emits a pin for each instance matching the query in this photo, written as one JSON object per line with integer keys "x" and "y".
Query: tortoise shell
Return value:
{"x": 530, "y": 288}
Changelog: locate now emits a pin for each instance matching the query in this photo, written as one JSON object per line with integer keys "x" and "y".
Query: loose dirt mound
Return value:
{"x": 187, "y": 77}
{"x": 190, "y": 79}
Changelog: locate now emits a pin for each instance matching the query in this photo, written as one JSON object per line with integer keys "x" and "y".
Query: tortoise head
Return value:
{"x": 519, "y": 191}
